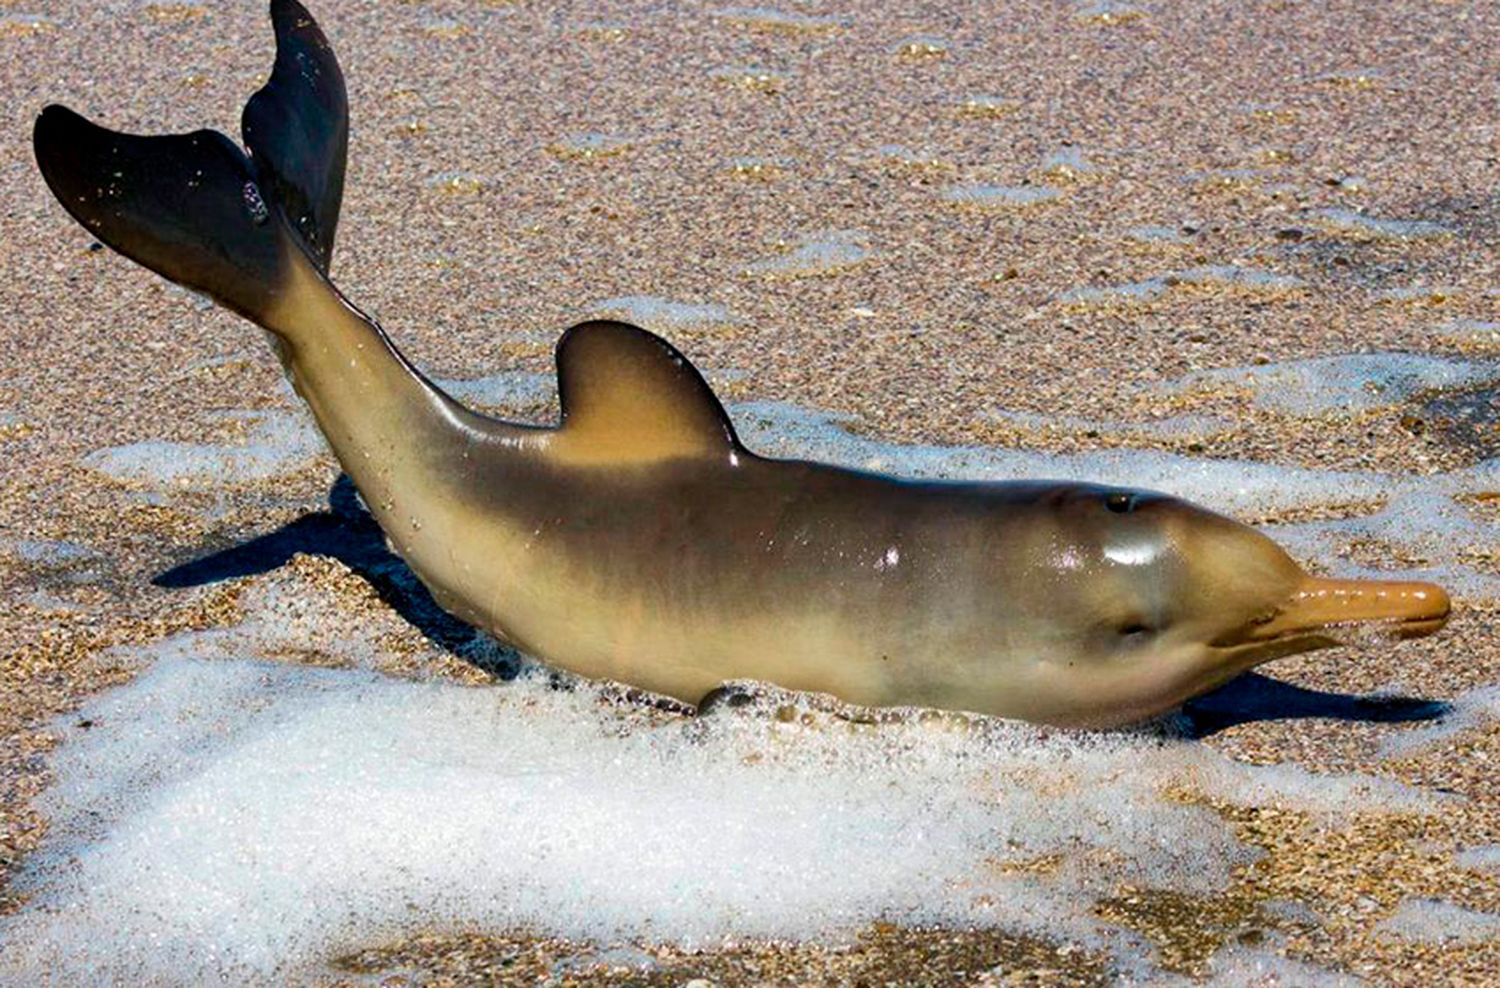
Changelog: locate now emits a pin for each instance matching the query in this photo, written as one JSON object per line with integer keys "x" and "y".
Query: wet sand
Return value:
{"x": 856, "y": 188}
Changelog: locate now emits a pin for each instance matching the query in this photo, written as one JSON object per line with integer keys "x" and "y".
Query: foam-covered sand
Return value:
{"x": 1243, "y": 253}
{"x": 275, "y": 443}
{"x": 225, "y": 816}
{"x": 247, "y": 819}
{"x": 229, "y": 816}
{"x": 1347, "y": 384}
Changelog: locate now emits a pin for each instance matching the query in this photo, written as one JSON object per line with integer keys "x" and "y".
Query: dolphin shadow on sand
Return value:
{"x": 1253, "y": 697}
{"x": 348, "y": 533}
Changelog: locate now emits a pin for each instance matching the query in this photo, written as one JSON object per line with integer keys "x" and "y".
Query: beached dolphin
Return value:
{"x": 638, "y": 540}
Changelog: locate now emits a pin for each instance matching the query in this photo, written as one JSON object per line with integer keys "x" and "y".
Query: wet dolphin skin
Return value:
{"x": 638, "y": 540}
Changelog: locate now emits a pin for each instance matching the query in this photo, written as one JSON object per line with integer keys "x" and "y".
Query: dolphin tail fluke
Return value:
{"x": 297, "y": 129}
{"x": 194, "y": 207}
{"x": 187, "y": 206}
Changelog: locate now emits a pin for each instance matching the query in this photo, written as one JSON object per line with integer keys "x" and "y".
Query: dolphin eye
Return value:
{"x": 1120, "y": 502}
{"x": 1134, "y": 629}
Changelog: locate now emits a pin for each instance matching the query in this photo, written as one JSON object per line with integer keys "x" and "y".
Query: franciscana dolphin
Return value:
{"x": 638, "y": 540}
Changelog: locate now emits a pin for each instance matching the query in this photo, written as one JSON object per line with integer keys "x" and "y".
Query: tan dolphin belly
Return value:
{"x": 677, "y": 587}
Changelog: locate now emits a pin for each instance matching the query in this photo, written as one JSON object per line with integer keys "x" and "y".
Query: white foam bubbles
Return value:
{"x": 1156, "y": 234}
{"x": 1421, "y": 520}
{"x": 1347, "y": 383}
{"x": 1171, "y": 427}
{"x": 1349, "y": 222}
{"x": 1484, "y": 858}
{"x": 48, "y": 553}
{"x": 1258, "y": 967}
{"x": 275, "y": 443}
{"x": 665, "y": 315}
{"x": 787, "y": 22}
{"x": 987, "y": 196}
{"x": 1474, "y": 709}
{"x": 825, "y": 253}
{"x": 243, "y": 819}
{"x": 1471, "y": 331}
{"x": 1438, "y": 922}
{"x": 1206, "y": 278}
{"x": 591, "y": 146}
{"x": 1228, "y": 485}
{"x": 1067, "y": 164}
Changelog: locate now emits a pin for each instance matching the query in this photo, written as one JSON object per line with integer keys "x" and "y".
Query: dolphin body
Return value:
{"x": 638, "y": 540}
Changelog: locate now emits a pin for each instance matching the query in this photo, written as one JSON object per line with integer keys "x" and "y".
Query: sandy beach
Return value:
{"x": 1245, "y": 252}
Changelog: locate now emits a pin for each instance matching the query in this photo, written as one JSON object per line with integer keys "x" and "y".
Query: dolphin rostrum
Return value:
{"x": 638, "y": 540}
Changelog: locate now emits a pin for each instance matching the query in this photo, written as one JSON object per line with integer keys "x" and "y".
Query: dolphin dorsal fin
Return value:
{"x": 630, "y": 396}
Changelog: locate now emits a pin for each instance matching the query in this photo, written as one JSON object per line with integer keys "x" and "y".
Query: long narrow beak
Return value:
{"x": 1405, "y": 609}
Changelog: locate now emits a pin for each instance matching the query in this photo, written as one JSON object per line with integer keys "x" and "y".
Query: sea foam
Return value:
{"x": 227, "y": 815}
{"x": 245, "y": 819}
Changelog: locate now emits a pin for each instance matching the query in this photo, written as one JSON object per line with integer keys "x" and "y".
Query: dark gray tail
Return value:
{"x": 196, "y": 209}
{"x": 297, "y": 129}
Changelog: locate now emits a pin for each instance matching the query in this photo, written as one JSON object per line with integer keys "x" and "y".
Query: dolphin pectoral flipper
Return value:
{"x": 629, "y": 396}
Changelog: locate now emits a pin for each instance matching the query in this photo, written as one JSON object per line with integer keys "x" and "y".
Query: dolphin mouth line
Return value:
{"x": 1321, "y": 607}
